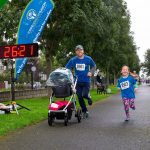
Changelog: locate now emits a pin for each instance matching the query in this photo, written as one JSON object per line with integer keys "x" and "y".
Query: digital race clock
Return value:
{"x": 19, "y": 51}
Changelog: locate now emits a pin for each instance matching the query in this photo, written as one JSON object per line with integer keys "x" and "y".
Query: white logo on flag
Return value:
{"x": 31, "y": 14}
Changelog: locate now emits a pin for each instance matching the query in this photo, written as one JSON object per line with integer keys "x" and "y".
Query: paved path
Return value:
{"x": 105, "y": 129}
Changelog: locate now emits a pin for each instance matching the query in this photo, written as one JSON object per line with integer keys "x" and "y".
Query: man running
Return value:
{"x": 84, "y": 67}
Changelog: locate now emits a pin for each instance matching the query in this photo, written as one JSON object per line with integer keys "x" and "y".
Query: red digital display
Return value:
{"x": 19, "y": 51}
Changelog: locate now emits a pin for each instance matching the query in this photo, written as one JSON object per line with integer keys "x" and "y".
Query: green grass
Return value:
{"x": 11, "y": 122}
{"x": 98, "y": 97}
{"x": 4, "y": 90}
{"x": 114, "y": 89}
{"x": 39, "y": 109}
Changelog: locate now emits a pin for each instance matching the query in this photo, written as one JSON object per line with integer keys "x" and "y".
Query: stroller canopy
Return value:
{"x": 60, "y": 76}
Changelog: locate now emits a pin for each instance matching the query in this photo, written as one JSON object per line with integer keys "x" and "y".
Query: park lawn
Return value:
{"x": 39, "y": 110}
{"x": 11, "y": 122}
{"x": 98, "y": 97}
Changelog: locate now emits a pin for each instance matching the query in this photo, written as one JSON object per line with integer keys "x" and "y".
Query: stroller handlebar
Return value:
{"x": 74, "y": 86}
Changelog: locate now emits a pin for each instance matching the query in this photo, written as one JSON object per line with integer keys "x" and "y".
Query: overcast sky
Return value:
{"x": 140, "y": 19}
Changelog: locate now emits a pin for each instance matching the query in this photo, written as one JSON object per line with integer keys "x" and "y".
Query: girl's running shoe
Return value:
{"x": 127, "y": 119}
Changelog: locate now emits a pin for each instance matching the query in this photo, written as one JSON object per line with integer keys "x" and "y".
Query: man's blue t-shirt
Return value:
{"x": 81, "y": 67}
{"x": 126, "y": 85}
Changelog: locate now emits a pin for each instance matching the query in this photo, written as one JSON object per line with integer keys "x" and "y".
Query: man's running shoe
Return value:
{"x": 85, "y": 115}
{"x": 90, "y": 101}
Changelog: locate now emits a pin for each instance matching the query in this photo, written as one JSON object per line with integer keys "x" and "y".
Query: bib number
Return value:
{"x": 124, "y": 85}
{"x": 80, "y": 67}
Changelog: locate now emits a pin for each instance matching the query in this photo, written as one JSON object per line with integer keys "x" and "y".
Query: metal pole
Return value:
{"x": 32, "y": 80}
{"x": 12, "y": 82}
{"x": 33, "y": 69}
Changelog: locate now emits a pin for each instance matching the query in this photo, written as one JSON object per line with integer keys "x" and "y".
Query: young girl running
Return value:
{"x": 126, "y": 84}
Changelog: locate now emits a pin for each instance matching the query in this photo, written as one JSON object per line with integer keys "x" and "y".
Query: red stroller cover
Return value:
{"x": 58, "y": 105}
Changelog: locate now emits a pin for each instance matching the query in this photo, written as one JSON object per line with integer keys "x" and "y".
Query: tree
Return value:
{"x": 147, "y": 61}
{"x": 116, "y": 46}
{"x": 101, "y": 26}
{"x": 10, "y": 16}
{"x": 72, "y": 22}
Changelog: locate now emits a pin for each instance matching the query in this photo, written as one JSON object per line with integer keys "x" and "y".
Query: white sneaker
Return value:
{"x": 127, "y": 119}
{"x": 85, "y": 115}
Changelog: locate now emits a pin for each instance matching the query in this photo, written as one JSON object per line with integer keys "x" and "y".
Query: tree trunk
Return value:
{"x": 115, "y": 79}
{"x": 48, "y": 57}
{"x": 48, "y": 70}
{"x": 48, "y": 65}
{"x": 92, "y": 82}
{"x": 107, "y": 74}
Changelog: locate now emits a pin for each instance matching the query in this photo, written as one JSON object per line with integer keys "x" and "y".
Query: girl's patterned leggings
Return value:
{"x": 128, "y": 103}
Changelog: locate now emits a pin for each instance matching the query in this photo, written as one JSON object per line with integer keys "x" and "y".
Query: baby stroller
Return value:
{"x": 62, "y": 83}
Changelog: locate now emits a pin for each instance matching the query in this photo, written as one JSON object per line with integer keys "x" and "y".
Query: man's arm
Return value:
{"x": 91, "y": 72}
{"x": 92, "y": 69}
{"x": 69, "y": 65}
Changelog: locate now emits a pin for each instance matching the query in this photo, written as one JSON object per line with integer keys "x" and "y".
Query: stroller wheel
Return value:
{"x": 79, "y": 115}
{"x": 66, "y": 120}
{"x": 50, "y": 119}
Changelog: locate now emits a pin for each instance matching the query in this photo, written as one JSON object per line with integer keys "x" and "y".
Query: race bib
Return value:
{"x": 124, "y": 85}
{"x": 80, "y": 67}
